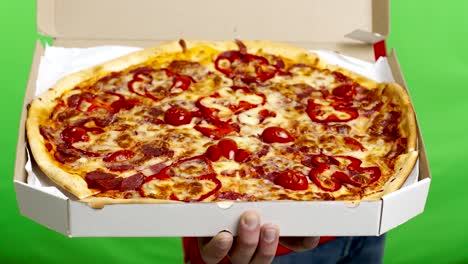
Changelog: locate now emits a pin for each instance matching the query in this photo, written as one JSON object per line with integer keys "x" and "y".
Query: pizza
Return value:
{"x": 206, "y": 121}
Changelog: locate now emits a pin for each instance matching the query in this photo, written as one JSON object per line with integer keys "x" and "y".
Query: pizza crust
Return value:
{"x": 100, "y": 202}
{"x": 403, "y": 168}
{"x": 73, "y": 183}
{"x": 41, "y": 107}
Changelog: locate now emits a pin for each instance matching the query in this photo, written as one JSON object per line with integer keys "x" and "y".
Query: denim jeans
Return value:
{"x": 349, "y": 250}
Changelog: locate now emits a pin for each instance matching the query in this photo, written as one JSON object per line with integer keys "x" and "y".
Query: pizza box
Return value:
{"x": 311, "y": 24}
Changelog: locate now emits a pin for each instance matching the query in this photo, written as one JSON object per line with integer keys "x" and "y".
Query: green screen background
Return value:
{"x": 431, "y": 40}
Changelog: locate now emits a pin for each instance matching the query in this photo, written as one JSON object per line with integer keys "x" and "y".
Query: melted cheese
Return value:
{"x": 281, "y": 98}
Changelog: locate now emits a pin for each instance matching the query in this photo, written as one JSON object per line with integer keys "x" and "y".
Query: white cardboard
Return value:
{"x": 44, "y": 208}
{"x": 207, "y": 219}
{"x": 404, "y": 205}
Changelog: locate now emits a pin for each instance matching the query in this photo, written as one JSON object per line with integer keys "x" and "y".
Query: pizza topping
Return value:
{"x": 128, "y": 122}
{"x": 352, "y": 173}
{"x": 74, "y": 134}
{"x": 196, "y": 168}
{"x": 122, "y": 103}
{"x": 242, "y": 155}
{"x": 45, "y": 132}
{"x": 103, "y": 180}
{"x": 353, "y": 144}
{"x": 132, "y": 183}
{"x": 264, "y": 114}
{"x": 188, "y": 68}
{"x": 119, "y": 167}
{"x": 339, "y": 128}
{"x": 74, "y": 99}
{"x": 263, "y": 151}
{"x": 276, "y": 135}
{"x": 386, "y": 125}
{"x": 215, "y": 180}
{"x": 397, "y": 149}
{"x": 247, "y": 67}
{"x": 214, "y": 132}
{"x": 177, "y": 116}
{"x": 293, "y": 180}
{"x": 153, "y": 150}
{"x": 346, "y": 91}
{"x": 157, "y": 84}
{"x": 339, "y": 77}
{"x": 228, "y": 148}
{"x": 232, "y": 196}
{"x": 141, "y": 80}
{"x": 155, "y": 111}
{"x": 120, "y": 155}
{"x": 364, "y": 176}
{"x": 213, "y": 152}
{"x": 63, "y": 154}
{"x": 156, "y": 168}
{"x": 317, "y": 114}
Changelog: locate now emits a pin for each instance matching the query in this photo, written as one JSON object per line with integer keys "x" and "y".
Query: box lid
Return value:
{"x": 320, "y": 21}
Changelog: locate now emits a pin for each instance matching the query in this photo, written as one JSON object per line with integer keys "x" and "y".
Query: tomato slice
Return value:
{"x": 293, "y": 180}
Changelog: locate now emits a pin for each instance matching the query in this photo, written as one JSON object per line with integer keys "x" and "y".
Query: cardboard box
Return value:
{"x": 313, "y": 24}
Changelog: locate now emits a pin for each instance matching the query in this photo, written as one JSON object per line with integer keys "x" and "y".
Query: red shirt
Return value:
{"x": 192, "y": 252}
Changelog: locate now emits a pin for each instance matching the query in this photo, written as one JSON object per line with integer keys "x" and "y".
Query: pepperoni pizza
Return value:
{"x": 202, "y": 121}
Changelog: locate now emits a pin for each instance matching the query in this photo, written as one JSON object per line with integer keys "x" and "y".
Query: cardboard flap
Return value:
{"x": 54, "y": 213}
{"x": 400, "y": 206}
{"x": 277, "y": 20}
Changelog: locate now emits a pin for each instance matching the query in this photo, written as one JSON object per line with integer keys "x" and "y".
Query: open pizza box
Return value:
{"x": 313, "y": 24}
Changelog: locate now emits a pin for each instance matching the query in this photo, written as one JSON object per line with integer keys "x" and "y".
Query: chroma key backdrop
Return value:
{"x": 431, "y": 39}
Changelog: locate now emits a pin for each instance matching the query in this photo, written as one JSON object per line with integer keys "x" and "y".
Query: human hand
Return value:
{"x": 254, "y": 243}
